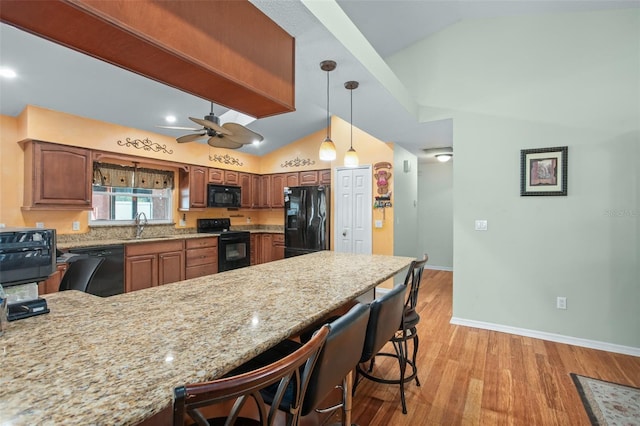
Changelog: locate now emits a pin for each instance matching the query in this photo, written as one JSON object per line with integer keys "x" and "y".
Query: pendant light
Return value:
{"x": 351, "y": 158}
{"x": 328, "y": 148}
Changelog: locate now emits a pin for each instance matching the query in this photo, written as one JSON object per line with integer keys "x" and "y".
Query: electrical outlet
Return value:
{"x": 2, "y": 225}
{"x": 40, "y": 225}
{"x": 378, "y": 224}
{"x": 75, "y": 225}
{"x": 248, "y": 219}
{"x": 481, "y": 225}
{"x": 561, "y": 302}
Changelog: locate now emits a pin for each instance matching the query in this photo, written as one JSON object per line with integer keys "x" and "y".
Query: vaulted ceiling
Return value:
{"x": 58, "y": 78}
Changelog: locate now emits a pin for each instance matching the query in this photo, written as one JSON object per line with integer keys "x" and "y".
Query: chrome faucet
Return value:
{"x": 141, "y": 221}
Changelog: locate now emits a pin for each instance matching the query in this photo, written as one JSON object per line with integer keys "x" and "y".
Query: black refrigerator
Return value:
{"x": 306, "y": 221}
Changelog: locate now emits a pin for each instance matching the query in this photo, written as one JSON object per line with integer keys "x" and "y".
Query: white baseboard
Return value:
{"x": 576, "y": 341}
{"x": 439, "y": 268}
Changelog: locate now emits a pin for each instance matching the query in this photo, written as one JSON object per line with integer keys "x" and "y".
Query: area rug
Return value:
{"x": 607, "y": 403}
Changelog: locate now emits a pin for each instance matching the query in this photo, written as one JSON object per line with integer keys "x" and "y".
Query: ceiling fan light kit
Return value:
{"x": 327, "y": 147}
{"x": 228, "y": 135}
{"x": 351, "y": 157}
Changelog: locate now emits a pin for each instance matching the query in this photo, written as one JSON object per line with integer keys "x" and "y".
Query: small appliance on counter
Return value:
{"x": 27, "y": 255}
{"x": 233, "y": 246}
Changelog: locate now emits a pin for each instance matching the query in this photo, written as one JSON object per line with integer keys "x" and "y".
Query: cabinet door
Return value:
{"x": 141, "y": 271}
{"x": 265, "y": 191}
{"x": 52, "y": 284}
{"x": 278, "y": 247}
{"x": 325, "y": 176}
{"x": 246, "y": 197}
{"x": 277, "y": 194}
{"x": 57, "y": 176}
{"x": 170, "y": 267}
{"x": 292, "y": 179}
{"x": 254, "y": 249}
{"x": 255, "y": 190}
{"x": 231, "y": 177}
{"x": 216, "y": 176}
{"x": 309, "y": 177}
{"x": 198, "y": 187}
{"x": 266, "y": 248}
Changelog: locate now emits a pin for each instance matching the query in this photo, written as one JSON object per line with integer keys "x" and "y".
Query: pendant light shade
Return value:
{"x": 328, "y": 148}
{"x": 351, "y": 157}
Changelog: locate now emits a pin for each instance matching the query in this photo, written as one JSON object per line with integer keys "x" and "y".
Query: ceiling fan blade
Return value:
{"x": 224, "y": 142}
{"x": 210, "y": 125}
{"x": 179, "y": 128}
{"x": 241, "y": 134}
{"x": 190, "y": 138}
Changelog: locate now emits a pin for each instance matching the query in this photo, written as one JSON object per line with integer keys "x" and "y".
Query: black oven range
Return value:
{"x": 233, "y": 246}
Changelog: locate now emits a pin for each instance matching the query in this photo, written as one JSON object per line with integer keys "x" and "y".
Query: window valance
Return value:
{"x": 106, "y": 174}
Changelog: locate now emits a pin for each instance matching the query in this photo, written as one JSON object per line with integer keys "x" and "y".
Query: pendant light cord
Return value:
{"x": 351, "y": 145}
{"x": 328, "y": 121}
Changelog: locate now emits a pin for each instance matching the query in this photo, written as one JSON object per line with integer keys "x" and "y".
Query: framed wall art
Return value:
{"x": 543, "y": 171}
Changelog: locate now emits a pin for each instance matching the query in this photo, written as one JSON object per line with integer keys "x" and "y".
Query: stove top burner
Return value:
{"x": 217, "y": 226}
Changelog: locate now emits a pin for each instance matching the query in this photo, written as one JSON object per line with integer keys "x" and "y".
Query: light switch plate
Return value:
{"x": 481, "y": 225}
{"x": 75, "y": 225}
{"x": 378, "y": 224}
{"x": 40, "y": 225}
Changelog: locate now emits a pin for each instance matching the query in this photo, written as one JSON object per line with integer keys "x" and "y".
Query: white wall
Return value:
{"x": 405, "y": 210}
{"x": 529, "y": 82}
{"x": 435, "y": 213}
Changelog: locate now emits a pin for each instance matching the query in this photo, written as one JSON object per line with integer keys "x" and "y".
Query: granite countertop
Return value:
{"x": 117, "y": 360}
{"x": 83, "y": 242}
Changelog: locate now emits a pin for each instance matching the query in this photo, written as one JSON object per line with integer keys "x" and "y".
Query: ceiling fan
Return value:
{"x": 228, "y": 135}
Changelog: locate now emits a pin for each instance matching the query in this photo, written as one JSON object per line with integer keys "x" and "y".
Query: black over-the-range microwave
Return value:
{"x": 223, "y": 196}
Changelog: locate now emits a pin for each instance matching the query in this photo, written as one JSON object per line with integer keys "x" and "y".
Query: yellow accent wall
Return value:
{"x": 58, "y": 127}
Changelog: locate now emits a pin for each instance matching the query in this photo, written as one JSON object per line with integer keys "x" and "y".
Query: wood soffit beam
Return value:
{"x": 227, "y": 52}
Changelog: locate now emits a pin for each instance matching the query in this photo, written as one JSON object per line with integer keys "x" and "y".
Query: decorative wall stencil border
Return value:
{"x": 146, "y": 144}
{"x": 226, "y": 159}
{"x": 298, "y": 162}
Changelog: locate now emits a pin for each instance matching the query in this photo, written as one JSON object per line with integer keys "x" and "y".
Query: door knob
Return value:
{"x": 344, "y": 233}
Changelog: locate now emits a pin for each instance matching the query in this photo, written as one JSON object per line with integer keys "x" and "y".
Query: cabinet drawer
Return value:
{"x": 202, "y": 256}
{"x": 200, "y": 271}
{"x": 201, "y": 242}
{"x": 160, "y": 247}
{"x": 278, "y": 239}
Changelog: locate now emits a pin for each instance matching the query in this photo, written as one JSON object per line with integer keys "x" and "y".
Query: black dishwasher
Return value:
{"x": 109, "y": 278}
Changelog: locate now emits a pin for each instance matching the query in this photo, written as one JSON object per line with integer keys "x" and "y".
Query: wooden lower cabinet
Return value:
{"x": 254, "y": 249}
{"x": 152, "y": 264}
{"x": 201, "y": 257}
{"x": 277, "y": 250}
{"x": 266, "y": 247}
{"x": 52, "y": 284}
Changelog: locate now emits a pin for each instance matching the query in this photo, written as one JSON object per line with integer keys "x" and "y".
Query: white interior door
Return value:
{"x": 353, "y": 210}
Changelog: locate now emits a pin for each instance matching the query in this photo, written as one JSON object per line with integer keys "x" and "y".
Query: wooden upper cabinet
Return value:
{"x": 246, "y": 195}
{"x": 277, "y": 185}
{"x": 325, "y": 176}
{"x": 56, "y": 176}
{"x": 309, "y": 177}
{"x": 264, "y": 193}
{"x": 255, "y": 190}
{"x": 216, "y": 176}
{"x": 208, "y": 50}
{"x": 193, "y": 188}
{"x": 231, "y": 177}
{"x": 292, "y": 179}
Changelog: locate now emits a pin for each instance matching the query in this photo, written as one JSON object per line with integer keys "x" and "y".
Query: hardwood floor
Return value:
{"x": 478, "y": 377}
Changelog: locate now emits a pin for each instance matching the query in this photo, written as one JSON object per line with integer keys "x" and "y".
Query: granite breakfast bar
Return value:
{"x": 117, "y": 360}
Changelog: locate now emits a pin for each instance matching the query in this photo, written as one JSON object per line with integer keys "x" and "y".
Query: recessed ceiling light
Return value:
{"x": 7, "y": 72}
{"x": 170, "y": 118}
